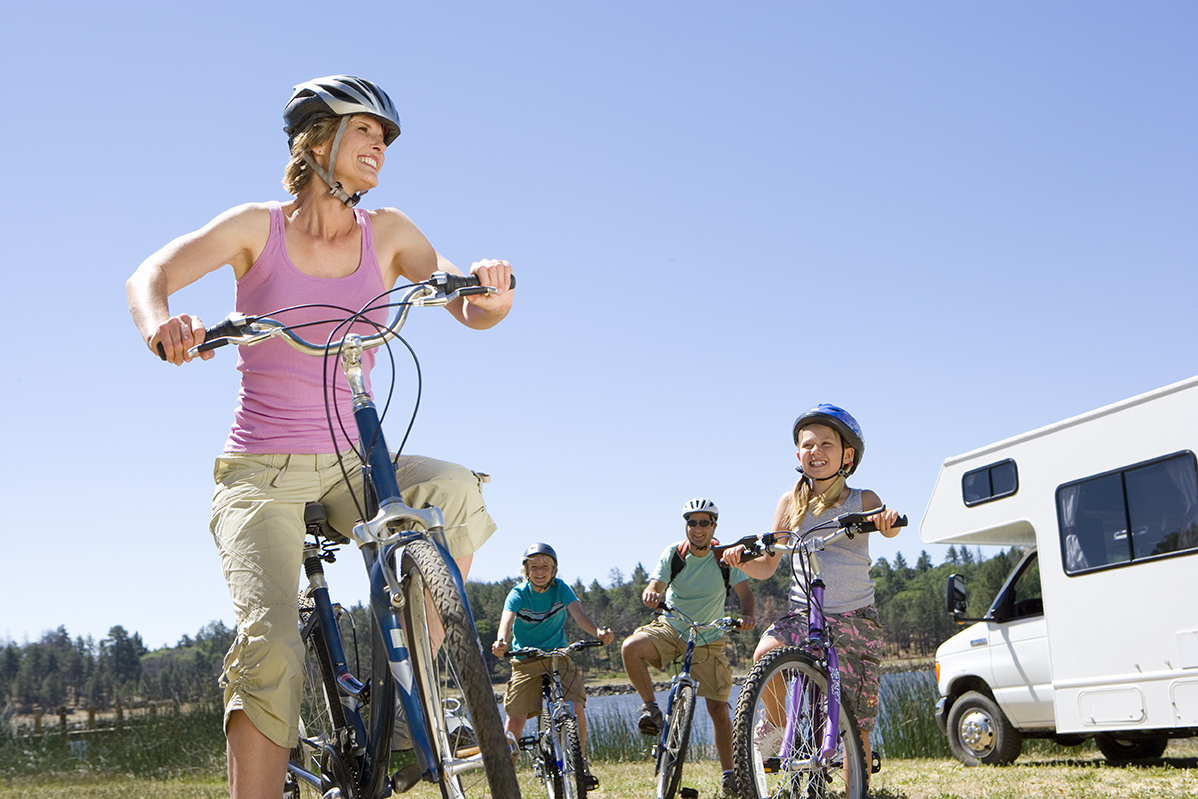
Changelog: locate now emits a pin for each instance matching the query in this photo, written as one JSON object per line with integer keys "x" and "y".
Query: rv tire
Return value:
{"x": 978, "y": 732}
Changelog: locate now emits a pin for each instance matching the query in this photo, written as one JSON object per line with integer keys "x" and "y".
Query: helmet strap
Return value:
{"x": 335, "y": 187}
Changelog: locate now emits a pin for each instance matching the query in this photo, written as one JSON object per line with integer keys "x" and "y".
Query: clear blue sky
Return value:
{"x": 960, "y": 220}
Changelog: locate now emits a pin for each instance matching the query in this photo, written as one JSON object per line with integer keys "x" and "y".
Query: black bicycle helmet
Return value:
{"x": 842, "y": 422}
{"x": 540, "y": 549}
{"x": 335, "y": 96}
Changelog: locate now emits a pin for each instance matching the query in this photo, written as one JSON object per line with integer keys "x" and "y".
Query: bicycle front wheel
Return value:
{"x": 671, "y": 754}
{"x": 463, "y": 717}
{"x": 779, "y": 731}
{"x": 573, "y": 768}
{"x": 552, "y": 757}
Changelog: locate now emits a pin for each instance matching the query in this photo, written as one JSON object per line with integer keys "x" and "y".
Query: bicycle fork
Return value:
{"x": 801, "y": 691}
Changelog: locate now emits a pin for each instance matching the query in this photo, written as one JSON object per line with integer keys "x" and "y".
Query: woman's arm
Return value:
{"x": 235, "y": 237}
{"x": 404, "y": 252}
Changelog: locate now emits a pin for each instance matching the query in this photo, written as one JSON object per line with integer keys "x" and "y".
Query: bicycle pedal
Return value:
{"x": 591, "y": 782}
{"x": 875, "y": 763}
{"x": 529, "y": 742}
{"x": 771, "y": 765}
{"x": 688, "y": 793}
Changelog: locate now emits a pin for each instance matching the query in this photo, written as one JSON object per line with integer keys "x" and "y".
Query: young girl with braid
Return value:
{"x": 830, "y": 447}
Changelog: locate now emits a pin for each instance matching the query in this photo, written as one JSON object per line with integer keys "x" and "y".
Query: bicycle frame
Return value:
{"x": 379, "y": 553}
{"x": 382, "y": 544}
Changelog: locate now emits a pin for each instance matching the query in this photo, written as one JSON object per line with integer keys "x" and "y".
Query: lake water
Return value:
{"x": 615, "y": 707}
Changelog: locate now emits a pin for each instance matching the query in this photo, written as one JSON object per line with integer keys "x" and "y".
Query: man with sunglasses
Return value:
{"x": 689, "y": 577}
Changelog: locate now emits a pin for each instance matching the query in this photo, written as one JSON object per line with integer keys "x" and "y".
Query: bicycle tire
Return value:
{"x": 452, "y": 678}
{"x": 552, "y": 759}
{"x": 573, "y": 766}
{"x": 321, "y": 713}
{"x": 671, "y": 753}
{"x": 791, "y": 672}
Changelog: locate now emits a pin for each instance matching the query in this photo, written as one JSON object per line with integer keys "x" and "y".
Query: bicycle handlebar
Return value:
{"x": 726, "y": 623}
{"x": 846, "y": 524}
{"x": 440, "y": 289}
{"x": 535, "y": 652}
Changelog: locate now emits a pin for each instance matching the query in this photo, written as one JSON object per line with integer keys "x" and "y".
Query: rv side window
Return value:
{"x": 991, "y": 482}
{"x": 1144, "y": 511}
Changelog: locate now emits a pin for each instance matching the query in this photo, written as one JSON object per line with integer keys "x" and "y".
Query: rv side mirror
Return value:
{"x": 955, "y": 597}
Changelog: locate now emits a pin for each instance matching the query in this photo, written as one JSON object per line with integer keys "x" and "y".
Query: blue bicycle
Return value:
{"x": 426, "y": 658}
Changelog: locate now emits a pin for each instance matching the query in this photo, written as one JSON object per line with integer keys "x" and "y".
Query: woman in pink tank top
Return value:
{"x": 315, "y": 248}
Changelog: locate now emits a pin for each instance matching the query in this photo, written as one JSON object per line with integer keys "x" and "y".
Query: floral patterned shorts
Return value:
{"x": 858, "y": 638}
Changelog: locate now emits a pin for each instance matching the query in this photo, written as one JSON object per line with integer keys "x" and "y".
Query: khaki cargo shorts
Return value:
{"x": 258, "y": 526}
{"x": 709, "y": 664}
{"x": 523, "y": 695}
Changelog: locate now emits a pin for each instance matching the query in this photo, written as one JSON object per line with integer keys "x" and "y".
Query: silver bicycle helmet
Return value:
{"x": 842, "y": 422}
{"x": 337, "y": 96}
{"x": 700, "y": 505}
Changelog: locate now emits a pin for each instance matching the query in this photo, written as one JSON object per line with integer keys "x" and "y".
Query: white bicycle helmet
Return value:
{"x": 338, "y": 96}
{"x": 700, "y": 505}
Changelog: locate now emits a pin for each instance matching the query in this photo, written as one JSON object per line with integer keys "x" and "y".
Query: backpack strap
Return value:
{"x": 678, "y": 561}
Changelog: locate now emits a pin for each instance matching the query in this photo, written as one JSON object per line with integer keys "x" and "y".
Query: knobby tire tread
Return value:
{"x": 573, "y": 755}
{"x": 809, "y": 783}
{"x": 462, "y": 646}
{"x": 677, "y": 741}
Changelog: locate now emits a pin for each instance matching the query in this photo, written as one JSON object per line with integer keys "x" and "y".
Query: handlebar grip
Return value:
{"x": 451, "y": 283}
{"x": 218, "y": 335}
{"x": 870, "y": 527}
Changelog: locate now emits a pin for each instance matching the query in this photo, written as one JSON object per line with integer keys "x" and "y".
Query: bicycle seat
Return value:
{"x": 316, "y": 521}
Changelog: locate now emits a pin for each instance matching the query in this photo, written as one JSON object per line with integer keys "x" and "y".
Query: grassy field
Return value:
{"x": 1086, "y": 776}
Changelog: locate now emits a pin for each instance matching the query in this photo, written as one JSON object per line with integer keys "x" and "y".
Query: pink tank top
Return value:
{"x": 281, "y": 406}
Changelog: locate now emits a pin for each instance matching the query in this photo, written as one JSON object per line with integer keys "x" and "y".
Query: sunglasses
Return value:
{"x": 699, "y": 522}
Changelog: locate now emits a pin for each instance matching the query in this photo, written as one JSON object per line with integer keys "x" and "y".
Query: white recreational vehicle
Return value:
{"x": 1095, "y": 633}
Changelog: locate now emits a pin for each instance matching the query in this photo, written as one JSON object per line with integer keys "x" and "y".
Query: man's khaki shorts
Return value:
{"x": 258, "y": 525}
{"x": 709, "y": 664}
{"x": 523, "y": 695}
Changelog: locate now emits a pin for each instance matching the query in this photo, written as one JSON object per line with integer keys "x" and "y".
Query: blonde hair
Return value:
{"x": 298, "y": 172}
{"x": 802, "y": 498}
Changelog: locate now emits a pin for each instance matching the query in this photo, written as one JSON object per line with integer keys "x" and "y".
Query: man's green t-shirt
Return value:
{"x": 698, "y": 591}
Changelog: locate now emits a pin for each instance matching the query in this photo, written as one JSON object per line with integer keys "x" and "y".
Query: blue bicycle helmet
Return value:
{"x": 842, "y": 422}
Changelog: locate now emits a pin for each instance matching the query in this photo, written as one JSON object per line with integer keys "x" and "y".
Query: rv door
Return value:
{"x": 1019, "y": 648}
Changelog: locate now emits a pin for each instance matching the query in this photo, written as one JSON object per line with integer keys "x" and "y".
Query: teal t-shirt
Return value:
{"x": 697, "y": 591}
{"x": 540, "y": 618}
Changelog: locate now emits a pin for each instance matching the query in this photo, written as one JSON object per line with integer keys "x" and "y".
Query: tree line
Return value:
{"x": 58, "y": 671}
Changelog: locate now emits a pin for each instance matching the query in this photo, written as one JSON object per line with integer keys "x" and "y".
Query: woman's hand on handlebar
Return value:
{"x": 652, "y": 599}
{"x": 605, "y": 635}
{"x": 747, "y": 622}
{"x": 175, "y": 338}
{"x": 498, "y": 647}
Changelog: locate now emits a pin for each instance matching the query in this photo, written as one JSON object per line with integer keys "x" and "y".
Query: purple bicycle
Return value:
{"x": 793, "y": 736}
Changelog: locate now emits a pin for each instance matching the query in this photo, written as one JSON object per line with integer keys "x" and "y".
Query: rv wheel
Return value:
{"x": 978, "y": 732}
{"x": 1120, "y": 750}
